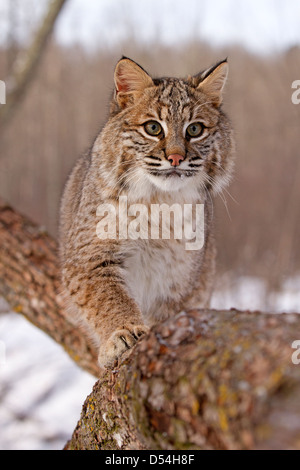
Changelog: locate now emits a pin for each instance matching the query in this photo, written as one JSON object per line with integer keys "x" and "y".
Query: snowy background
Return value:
{"x": 262, "y": 26}
{"x": 42, "y": 390}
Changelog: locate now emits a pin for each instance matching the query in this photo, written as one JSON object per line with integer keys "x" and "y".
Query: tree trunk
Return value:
{"x": 204, "y": 379}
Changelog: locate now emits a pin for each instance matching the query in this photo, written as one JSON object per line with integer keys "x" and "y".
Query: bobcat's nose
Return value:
{"x": 175, "y": 159}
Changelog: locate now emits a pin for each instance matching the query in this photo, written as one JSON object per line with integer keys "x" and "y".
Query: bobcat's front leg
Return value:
{"x": 111, "y": 314}
{"x": 119, "y": 342}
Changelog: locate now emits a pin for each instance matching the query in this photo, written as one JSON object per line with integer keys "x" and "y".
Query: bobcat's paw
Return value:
{"x": 119, "y": 342}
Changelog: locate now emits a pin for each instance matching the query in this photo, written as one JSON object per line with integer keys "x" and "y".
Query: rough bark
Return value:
{"x": 30, "y": 283}
{"x": 26, "y": 64}
{"x": 203, "y": 380}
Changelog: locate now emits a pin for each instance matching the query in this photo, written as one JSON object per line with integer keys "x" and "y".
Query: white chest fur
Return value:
{"x": 156, "y": 272}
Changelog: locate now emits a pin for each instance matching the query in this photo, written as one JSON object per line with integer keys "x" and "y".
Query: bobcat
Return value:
{"x": 166, "y": 141}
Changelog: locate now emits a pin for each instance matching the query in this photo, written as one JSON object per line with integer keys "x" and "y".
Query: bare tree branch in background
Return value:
{"x": 26, "y": 64}
{"x": 204, "y": 379}
{"x": 12, "y": 45}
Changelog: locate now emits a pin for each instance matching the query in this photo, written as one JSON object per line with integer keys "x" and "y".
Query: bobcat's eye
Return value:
{"x": 195, "y": 129}
{"x": 153, "y": 128}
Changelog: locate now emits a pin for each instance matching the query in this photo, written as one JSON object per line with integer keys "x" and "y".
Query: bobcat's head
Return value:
{"x": 167, "y": 134}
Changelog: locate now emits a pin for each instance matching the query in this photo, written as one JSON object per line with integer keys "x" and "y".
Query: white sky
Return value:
{"x": 260, "y": 25}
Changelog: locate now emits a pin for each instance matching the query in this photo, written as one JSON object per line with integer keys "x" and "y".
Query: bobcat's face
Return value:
{"x": 169, "y": 134}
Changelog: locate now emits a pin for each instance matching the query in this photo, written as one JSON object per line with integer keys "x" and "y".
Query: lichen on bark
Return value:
{"x": 202, "y": 380}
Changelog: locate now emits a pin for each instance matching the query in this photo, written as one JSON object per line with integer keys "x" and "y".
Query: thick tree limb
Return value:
{"x": 30, "y": 283}
{"x": 25, "y": 65}
{"x": 202, "y": 380}
{"x": 205, "y": 380}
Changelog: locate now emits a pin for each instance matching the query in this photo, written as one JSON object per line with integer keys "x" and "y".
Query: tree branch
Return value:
{"x": 204, "y": 379}
{"x": 30, "y": 283}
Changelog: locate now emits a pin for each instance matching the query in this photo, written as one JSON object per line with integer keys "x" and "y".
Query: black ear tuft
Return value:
{"x": 202, "y": 75}
{"x": 212, "y": 81}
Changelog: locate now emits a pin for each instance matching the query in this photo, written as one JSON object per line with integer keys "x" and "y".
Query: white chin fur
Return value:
{"x": 173, "y": 183}
{"x": 146, "y": 185}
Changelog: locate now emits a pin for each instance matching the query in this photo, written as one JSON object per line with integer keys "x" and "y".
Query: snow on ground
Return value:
{"x": 42, "y": 390}
{"x": 251, "y": 293}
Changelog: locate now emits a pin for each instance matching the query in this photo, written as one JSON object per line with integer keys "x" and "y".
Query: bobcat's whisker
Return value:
{"x": 129, "y": 177}
{"x": 210, "y": 179}
{"x": 120, "y": 178}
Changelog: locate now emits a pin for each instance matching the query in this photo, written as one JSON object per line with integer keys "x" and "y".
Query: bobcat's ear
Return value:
{"x": 213, "y": 80}
{"x": 130, "y": 79}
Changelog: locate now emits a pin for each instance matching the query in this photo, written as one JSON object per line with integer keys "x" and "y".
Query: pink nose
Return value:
{"x": 175, "y": 159}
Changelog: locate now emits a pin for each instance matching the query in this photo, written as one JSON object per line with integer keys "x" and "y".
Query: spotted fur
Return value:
{"x": 119, "y": 288}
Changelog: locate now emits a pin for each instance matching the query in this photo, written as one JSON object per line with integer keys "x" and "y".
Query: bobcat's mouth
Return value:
{"x": 173, "y": 173}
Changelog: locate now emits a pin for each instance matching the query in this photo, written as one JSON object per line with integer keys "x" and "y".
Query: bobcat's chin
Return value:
{"x": 171, "y": 180}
